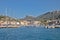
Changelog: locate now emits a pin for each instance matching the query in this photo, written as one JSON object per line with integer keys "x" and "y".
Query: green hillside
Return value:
{"x": 49, "y": 15}
{"x": 4, "y": 18}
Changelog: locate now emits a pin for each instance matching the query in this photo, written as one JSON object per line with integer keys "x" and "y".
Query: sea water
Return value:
{"x": 29, "y": 33}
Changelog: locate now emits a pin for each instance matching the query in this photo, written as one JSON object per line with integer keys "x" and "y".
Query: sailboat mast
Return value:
{"x": 53, "y": 15}
{"x": 6, "y": 11}
{"x": 6, "y": 18}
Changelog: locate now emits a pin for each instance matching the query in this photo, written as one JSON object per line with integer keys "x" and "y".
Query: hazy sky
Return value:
{"x": 21, "y": 8}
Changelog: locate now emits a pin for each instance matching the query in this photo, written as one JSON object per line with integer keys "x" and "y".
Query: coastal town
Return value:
{"x": 34, "y": 23}
{"x": 17, "y": 23}
{"x": 53, "y": 22}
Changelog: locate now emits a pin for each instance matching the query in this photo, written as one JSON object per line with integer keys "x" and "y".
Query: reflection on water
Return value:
{"x": 29, "y": 33}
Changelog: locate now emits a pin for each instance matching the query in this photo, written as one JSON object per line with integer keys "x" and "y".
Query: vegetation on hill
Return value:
{"x": 7, "y": 18}
{"x": 43, "y": 18}
{"x": 32, "y": 18}
{"x": 49, "y": 16}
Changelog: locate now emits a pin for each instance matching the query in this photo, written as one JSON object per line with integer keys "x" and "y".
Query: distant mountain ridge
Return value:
{"x": 29, "y": 18}
{"x": 49, "y": 15}
{"x": 45, "y": 16}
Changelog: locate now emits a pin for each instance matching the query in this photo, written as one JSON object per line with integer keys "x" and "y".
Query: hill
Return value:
{"x": 49, "y": 15}
{"x": 32, "y": 18}
{"x": 4, "y": 18}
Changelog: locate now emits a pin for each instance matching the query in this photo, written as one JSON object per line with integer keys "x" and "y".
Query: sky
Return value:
{"x": 21, "y": 8}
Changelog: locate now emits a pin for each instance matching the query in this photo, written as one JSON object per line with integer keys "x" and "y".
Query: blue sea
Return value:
{"x": 29, "y": 33}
